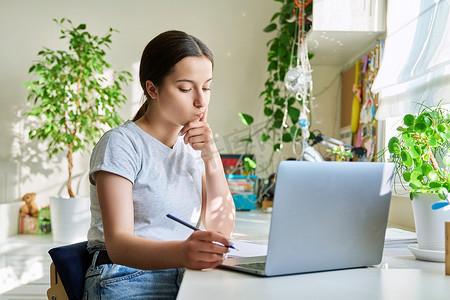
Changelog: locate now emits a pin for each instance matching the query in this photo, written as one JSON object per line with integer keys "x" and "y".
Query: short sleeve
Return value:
{"x": 115, "y": 153}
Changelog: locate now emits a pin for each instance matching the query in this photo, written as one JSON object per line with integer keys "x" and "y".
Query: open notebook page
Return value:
{"x": 248, "y": 249}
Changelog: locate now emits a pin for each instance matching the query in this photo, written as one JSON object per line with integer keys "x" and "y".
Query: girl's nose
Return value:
{"x": 201, "y": 99}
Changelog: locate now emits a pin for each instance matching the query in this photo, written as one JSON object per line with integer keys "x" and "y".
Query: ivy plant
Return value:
{"x": 420, "y": 140}
{"x": 70, "y": 94}
{"x": 279, "y": 127}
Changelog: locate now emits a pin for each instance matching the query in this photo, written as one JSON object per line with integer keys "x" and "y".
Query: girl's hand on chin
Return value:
{"x": 199, "y": 135}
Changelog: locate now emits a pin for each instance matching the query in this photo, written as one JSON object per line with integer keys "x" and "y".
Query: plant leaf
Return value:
{"x": 287, "y": 137}
{"x": 394, "y": 146}
{"x": 446, "y": 161}
{"x": 443, "y": 193}
{"x": 433, "y": 175}
{"x": 246, "y": 119}
{"x": 407, "y": 176}
{"x": 271, "y": 27}
{"x": 294, "y": 113}
{"x": 406, "y": 158}
{"x": 408, "y": 120}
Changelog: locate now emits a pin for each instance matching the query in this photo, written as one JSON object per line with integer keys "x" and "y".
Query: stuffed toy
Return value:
{"x": 30, "y": 207}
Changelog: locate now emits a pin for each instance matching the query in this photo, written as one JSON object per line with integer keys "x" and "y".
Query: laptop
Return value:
{"x": 326, "y": 216}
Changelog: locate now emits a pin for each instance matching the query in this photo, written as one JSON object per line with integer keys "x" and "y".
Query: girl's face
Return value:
{"x": 184, "y": 94}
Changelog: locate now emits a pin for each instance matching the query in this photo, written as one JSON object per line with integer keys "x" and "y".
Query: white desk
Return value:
{"x": 399, "y": 276}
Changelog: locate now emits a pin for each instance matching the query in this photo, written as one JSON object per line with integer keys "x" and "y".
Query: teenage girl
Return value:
{"x": 162, "y": 162}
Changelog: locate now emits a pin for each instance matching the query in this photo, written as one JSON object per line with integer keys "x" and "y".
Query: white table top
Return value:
{"x": 399, "y": 276}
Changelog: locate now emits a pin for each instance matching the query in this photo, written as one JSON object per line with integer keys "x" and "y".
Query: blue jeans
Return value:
{"x": 112, "y": 281}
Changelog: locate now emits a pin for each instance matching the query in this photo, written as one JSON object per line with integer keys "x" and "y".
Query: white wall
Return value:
{"x": 232, "y": 29}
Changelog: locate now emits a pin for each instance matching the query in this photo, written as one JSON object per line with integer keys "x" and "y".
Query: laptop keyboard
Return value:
{"x": 256, "y": 266}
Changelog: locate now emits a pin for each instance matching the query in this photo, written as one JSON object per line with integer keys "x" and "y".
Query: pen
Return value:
{"x": 188, "y": 225}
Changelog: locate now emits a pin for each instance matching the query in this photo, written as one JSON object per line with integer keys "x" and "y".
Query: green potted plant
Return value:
{"x": 74, "y": 103}
{"x": 421, "y": 153}
{"x": 340, "y": 153}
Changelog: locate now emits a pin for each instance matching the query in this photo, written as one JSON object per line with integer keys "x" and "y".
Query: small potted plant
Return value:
{"x": 421, "y": 153}
{"x": 74, "y": 104}
{"x": 340, "y": 153}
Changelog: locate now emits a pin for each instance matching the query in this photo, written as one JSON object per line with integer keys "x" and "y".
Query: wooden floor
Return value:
{"x": 25, "y": 267}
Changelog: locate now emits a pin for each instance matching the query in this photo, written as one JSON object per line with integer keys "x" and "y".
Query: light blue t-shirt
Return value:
{"x": 165, "y": 181}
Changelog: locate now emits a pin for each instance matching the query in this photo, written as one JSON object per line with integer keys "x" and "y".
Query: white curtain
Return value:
{"x": 415, "y": 67}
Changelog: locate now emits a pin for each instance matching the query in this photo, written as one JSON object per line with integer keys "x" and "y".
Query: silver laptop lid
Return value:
{"x": 328, "y": 215}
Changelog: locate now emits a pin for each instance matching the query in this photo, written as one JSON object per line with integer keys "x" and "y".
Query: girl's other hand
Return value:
{"x": 201, "y": 250}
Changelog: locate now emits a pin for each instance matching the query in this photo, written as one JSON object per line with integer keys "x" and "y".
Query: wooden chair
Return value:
{"x": 67, "y": 271}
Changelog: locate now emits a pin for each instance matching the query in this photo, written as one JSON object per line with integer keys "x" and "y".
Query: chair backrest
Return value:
{"x": 71, "y": 263}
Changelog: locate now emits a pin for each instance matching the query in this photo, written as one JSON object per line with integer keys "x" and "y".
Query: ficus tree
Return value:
{"x": 70, "y": 94}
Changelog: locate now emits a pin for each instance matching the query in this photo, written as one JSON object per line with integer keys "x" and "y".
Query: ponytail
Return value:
{"x": 141, "y": 111}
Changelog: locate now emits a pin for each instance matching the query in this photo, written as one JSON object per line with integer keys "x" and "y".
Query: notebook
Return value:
{"x": 326, "y": 216}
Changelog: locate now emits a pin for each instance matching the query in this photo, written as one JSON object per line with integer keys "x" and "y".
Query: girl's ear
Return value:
{"x": 152, "y": 90}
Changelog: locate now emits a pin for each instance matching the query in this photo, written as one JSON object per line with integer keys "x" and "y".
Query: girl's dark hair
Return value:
{"x": 160, "y": 56}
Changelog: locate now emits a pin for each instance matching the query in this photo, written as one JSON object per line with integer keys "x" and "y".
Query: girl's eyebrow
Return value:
{"x": 191, "y": 81}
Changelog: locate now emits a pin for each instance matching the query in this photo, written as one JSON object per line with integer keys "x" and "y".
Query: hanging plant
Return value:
{"x": 282, "y": 108}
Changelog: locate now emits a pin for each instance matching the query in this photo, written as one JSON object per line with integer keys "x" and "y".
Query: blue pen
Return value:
{"x": 188, "y": 225}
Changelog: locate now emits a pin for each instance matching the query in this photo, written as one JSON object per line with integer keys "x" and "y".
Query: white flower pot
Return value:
{"x": 70, "y": 219}
{"x": 430, "y": 224}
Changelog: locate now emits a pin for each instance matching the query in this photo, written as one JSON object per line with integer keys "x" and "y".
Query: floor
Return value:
{"x": 25, "y": 270}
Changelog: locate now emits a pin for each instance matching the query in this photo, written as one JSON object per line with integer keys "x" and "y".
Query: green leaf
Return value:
{"x": 277, "y": 147}
{"x": 415, "y": 185}
{"x": 416, "y": 151}
{"x": 279, "y": 115}
{"x": 394, "y": 146}
{"x": 287, "y": 137}
{"x": 271, "y": 27}
{"x": 249, "y": 164}
{"x": 294, "y": 132}
{"x": 407, "y": 176}
{"x": 422, "y": 123}
{"x": 435, "y": 184}
{"x": 408, "y": 120}
{"x": 265, "y": 137}
{"x": 418, "y": 161}
{"x": 294, "y": 113}
{"x": 249, "y": 140}
{"x": 416, "y": 176}
{"x": 406, "y": 158}
{"x": 441, "y": 128}
{"x": 245, "y": 119}
{"x": 432, "y": 142}
{"x": 274, "y": 16}
{"x": 446, "y": 160}
{"x": 268, "y": 111}
{"x": 443, "y": 193}
{"x": 426, "y": 168}
{"x": 433, "y": 175}
{"x": 405, "y": 135}
{"x": 410, "y": 142}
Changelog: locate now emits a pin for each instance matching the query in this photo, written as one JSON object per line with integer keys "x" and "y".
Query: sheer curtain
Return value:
{"x": 416, "y": 62}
